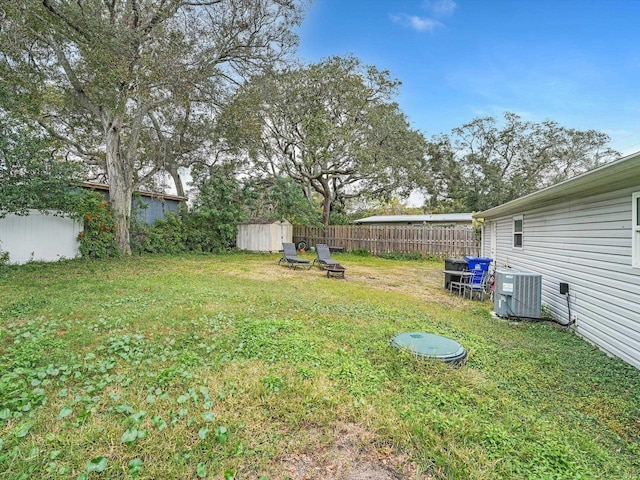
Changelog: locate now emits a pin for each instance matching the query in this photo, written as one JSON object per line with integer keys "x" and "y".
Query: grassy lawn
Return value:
{"x": 233, "y": 367}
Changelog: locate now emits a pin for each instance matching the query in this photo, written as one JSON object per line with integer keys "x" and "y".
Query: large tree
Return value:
{"x": 131, "y": 84}
{"x": 486, "y": 162}
{"x": 332, "y": 127}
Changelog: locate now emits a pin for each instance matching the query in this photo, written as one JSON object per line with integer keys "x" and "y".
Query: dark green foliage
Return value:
{"x": 217, "y": 210}
{"x": 339, "y": 218}
{"x": 166, "y": 235}
{"x": 279, "y": 198}
{"x": 31, "y": 175}
{"x": 361, "y": 252}
{"x": 209, "y": 227}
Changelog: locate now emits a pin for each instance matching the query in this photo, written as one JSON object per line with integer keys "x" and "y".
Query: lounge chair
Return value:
{"x": 291, "y": 259}
{"x": 324, "y": 256}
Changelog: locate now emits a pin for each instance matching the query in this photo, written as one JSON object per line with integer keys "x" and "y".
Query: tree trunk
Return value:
{"x": 120, "y": 174}
{"x": 326, "y": 209}
{"x": 172, "y": 168}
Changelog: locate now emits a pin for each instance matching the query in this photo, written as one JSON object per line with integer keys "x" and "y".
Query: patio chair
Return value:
{"x": 291, "y": 259}
{"x": 324, "y": 256}
{"x": 459, "y": 285}
{"x": 477, "y": 285}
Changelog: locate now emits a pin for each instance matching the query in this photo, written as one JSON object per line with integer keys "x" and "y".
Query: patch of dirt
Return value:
{"x": 425, "y": 284}
{"x": 352, "y": 457}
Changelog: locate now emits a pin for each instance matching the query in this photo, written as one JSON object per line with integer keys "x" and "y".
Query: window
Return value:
{"x": 517, "y": 231}
{"x": 635, "y": 230}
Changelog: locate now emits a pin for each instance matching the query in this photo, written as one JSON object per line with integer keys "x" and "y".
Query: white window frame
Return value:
{"x": 514, "y": 233}
{"x": 635, "y": 230}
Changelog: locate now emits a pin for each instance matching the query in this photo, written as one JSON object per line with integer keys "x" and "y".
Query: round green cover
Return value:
{"x": 429, "y": 345}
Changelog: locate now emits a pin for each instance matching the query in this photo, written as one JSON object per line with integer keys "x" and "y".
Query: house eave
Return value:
{"x": 622, "y": 173}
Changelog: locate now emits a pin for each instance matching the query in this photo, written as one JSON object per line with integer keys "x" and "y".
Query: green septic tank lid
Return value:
{"x": 428, "y": 345}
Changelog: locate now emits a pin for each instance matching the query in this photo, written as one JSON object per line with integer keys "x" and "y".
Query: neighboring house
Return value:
{"x": 584, "y": 232}
{"x": 153, "y": 205}
{"x": 432, "y": 220}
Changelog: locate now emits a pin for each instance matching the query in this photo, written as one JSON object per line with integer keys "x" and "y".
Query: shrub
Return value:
{"x": 97, "y": 240}
{"x": 402, "y": 256}
{"x": 166, "y": 235}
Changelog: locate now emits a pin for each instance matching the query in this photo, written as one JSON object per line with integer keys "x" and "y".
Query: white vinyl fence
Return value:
{"x": 38, "y": 237}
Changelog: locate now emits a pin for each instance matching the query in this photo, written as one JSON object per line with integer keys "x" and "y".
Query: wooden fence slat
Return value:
{"x": 379, "y": 239}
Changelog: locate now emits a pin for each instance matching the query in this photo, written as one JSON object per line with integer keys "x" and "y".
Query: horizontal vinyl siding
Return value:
{"x": 587, "y": 244}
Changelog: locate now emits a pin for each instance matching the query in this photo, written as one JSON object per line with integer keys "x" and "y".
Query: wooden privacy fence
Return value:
{"x": 379, "y": 239}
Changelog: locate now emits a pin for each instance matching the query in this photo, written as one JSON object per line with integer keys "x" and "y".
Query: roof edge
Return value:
{"x": 101, "y": 186}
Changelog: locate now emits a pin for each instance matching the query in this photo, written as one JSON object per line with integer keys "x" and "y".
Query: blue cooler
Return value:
{"x": 478, "y": 265}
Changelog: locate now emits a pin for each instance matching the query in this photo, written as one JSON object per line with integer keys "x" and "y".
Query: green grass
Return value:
{"x": 233, "y": 367}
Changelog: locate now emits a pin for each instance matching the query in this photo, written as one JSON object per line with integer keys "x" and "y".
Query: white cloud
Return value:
{"x": 421, "y": 24}
{"x": 440, "y": 8}
{"x": 437, "y": 9}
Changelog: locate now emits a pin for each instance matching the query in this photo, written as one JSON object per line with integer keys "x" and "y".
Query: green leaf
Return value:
{"x": 135, "y": 466}
{"x": 208, "y": 416}
{"x": 5, "y": 413}
{"x": 139, "y": 416}
{"x": 201, "y": 470}
{"x": 98, "y": 465}
{"x": 54, "y": 454}
{"x": 229, "y": 475}
{"x": 64, "y": 412}
{"x": 124, "y": 408}
{"x": 159, "y": 422}
{"x": 23, "y": 430}
{"x": 183, "y": 398}
{"x": 221, "y": 434}
{"x": 203, "y": 432}
{"x": 130, "y": 435}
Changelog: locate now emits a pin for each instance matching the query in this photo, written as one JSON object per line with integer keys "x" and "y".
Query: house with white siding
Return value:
{"x": 584, "y": 232}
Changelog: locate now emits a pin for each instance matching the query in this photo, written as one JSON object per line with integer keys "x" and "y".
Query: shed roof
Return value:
{"x": 619, "y": 174}
{"x": 430, "y": 218}
{"x": 100, "y": 186}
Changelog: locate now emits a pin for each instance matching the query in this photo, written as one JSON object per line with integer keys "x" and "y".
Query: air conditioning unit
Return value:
{"x": 517, "y": 294}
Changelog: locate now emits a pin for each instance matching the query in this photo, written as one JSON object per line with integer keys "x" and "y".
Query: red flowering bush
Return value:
{"x": 97, "y": 239}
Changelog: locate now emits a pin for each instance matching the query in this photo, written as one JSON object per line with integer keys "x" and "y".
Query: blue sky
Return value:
{"x": 576, "y": 62}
